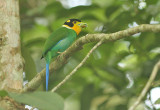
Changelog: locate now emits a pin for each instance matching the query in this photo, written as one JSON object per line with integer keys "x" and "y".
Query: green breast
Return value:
{"x": 59, "y": 40}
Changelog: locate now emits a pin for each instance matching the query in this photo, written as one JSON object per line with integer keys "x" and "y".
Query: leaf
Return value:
{"x": 103, "y": 3}
{"x": 30, "y": 67}
{"x": 87, "y": 96}
{"x": 37, "y": 42}
{"x": 150, "y": 2}
{"x": 38, "y": 31}
{"x": 148, "y": 41}
{"x": 3, "y": 93}
{"x": 1, "y": 108}
{"x": 53, "y": 8}
{"x": 157, "y": 101}
{"x": 41, "y": 100}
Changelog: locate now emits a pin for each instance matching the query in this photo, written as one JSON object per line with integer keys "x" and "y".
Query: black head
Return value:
{"x": 70, "y": 22}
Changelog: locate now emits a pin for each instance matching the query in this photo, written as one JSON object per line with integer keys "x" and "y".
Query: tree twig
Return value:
{"x": 17, "y": 105}
{"x": 36, "y": 81}
{"x": 147, "y": 86}
{"x": 77, "y": 67}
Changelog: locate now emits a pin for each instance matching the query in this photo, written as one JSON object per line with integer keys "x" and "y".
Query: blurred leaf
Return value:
{"x": 110, "y": 10}
{"x": 87, "y": 96}
{"x": 148, "y": 40}
{"x": 151, "y": 1}
{"x": 80, "y": 11}
{"x": 53, "y": 8}
{"x": 157, "y": 101}
{"x": 3, "y": 93}
{"x": 30, "y": 67}
{"x": 1, "y": 108}
{"x": 38, "y": 31}
{"x": 153, "y": 9}
{"x": 41, "y": 100}
{"x": 99, "y": 14}
{"x": 121, "y": 46}
{"x": 35, "y": 42}
{"x": 103, "y": 3}
{"x": 116, "y": 100}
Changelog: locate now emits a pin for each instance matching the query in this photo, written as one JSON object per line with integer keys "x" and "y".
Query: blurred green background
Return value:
{"x": 116, "y": 72}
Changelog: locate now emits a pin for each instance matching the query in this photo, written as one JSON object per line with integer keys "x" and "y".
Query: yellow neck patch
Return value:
{"x": 76, "y": 28}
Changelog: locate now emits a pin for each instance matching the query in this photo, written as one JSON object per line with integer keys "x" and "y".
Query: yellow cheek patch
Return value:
{"x": 76, "y": 28}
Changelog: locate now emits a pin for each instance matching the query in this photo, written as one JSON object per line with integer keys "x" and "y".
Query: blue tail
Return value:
{"x": 47, "y": 75}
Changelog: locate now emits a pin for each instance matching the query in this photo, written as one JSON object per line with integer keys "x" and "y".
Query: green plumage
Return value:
{"x": 58, "y": 41}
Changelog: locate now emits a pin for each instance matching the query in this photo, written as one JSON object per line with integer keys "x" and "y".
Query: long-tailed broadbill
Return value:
{"x": 60, "y": 40}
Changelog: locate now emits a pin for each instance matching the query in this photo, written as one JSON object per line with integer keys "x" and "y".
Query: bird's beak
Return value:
{"x": 83, "y": 25}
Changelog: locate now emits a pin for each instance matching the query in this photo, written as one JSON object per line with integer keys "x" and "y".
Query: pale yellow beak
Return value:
{"x": 83, "y": 25}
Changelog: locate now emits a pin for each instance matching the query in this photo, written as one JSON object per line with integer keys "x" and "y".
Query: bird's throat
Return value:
{"x": 76, "y": 28}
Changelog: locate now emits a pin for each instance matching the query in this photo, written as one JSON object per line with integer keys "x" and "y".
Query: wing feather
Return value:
{"x": 54, "y": 38}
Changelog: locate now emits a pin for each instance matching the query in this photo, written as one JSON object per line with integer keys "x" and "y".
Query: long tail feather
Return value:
{"x": 47, "y": 75}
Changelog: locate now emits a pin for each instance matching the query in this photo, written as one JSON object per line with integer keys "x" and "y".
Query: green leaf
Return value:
{"x": 30, "y": 67}
{"x": 3, "y": 93}
{"x": 40, "y": 100}
{"x": 86, "y": 97}
{"x": 1, "y": 108}
{"x": 157, "y": 101}
{"x": 38, "y": 31}
{"x": 150, "y": 2}
{"x": 103, "y": 3}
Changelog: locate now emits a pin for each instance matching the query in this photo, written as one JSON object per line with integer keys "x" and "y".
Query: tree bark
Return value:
{"x": 11, "y": 62}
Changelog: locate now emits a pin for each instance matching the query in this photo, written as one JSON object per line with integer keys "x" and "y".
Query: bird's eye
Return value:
{"x": 74, "y": 22}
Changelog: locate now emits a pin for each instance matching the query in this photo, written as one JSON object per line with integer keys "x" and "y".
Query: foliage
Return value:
{"x": 1, "y": 109}
{"x": 52, "y": 101}
{"x": 157, "y": 101}
{"x": 3, "y": 93}
{"x": 116, "y": 72}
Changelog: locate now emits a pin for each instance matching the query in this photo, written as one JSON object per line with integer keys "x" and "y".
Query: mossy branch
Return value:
{"x": 61, "y": 59}
{"x": 78, "y": 66}
{"x": 147, "y": 86}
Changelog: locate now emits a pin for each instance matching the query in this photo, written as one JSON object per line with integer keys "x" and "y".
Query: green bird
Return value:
{"x": 60, "y": 40}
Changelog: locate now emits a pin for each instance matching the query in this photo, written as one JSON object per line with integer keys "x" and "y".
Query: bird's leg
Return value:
{"x": 61, "y": 56}
{"x": 58, "y": 57}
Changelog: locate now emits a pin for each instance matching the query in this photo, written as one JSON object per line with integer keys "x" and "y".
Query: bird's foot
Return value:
{"x": 61, "y": 55}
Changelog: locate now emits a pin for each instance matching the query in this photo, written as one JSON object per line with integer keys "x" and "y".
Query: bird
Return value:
{"x": 60, "y": 40}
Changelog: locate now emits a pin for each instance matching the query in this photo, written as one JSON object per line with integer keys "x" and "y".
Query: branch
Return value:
{"x": 60, "y": 61}
{"x": 147, "y": 86}
{"x": 77, "y": 67}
